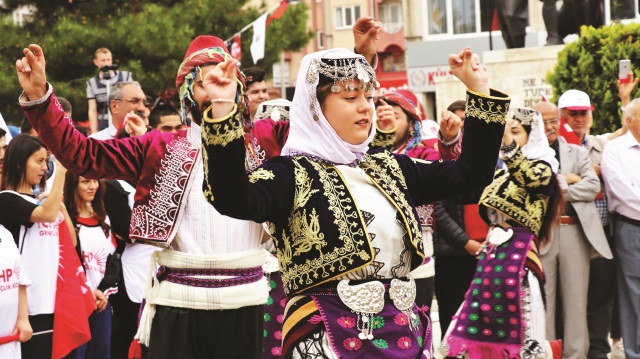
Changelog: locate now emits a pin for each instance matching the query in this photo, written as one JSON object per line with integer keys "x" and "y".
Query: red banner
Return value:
{"x": 74, "y": 301}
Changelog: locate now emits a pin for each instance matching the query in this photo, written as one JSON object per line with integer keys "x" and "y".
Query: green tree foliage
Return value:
{"x": 148, "y": 38}
{"x": 591, "y": 65}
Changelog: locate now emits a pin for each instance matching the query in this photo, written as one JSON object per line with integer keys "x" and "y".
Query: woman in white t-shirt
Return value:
{"x": 14, "y": 326}
{"x": 34, "y": 227}
{"x": 83, "y": 198}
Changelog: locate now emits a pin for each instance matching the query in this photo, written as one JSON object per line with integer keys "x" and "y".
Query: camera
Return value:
{"x": 105, "y": 71}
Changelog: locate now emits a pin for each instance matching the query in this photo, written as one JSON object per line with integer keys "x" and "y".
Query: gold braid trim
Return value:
{"x": 384, "y": 139}
{"x": 508, "y": 193}
{"x": 380, "y": 176}
{"x": 323, "y": 266}
{"x": 260, "y": 174}
{"x": 487, "y": 108}
{"x": 224, "y": 132}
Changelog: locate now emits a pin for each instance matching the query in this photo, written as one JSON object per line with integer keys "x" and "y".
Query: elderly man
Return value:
{"x": 126, "y": 100}
{"x": 567, "y": 258}
{"x": 621, "y": 174}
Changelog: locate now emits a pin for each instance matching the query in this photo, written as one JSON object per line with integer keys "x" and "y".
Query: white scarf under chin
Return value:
{"x": 537, "y": 147}
{"x": 318, "y": 138}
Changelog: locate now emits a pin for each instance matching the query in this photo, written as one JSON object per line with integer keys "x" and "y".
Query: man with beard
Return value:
{"x": 567, "y": 258}
{"x": 210, "y": 272}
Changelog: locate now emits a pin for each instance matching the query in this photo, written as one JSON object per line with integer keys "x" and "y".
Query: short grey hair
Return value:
{"x": 629, "y": 111}
{"x": 116, "y": 90}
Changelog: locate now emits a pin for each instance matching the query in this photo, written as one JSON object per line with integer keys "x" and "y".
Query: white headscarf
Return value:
{"x": 537, "y": 147}
{"x": 317, "y": 137}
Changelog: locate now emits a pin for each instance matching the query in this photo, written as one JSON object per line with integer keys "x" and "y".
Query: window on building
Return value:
{"x": 623, "y": 9}
{"x": 390, "y": 15}
{"x": 346, "y": 16}
{"x": 393, "y": 61}
{"x": 320, "y": 40}
{"x": 459, "y": 17}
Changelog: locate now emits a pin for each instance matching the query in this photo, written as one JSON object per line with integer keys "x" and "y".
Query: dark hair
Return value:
{"x": 555, "y": 209}
{"x": 253, "y": 75}
{"x": 18, "y": 152}
{"x": 66, "y": 105}
{"x": 324, "y": 88}
{"x": 527, "y": 128}
{"x": 25, "y": 126}
{"x": 457, "y": 106}
{"x": 71, "y": 201}
{"x": 159, "y": 111}
{"x": 2, "y": 132}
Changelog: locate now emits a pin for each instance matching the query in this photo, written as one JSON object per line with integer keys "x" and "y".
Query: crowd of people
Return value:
{"x": 322, "y": 227}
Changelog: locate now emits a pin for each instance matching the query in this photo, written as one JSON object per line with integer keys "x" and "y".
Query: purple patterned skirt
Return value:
{"x": 490, "y": 322}
{"x": 326, "y": 319}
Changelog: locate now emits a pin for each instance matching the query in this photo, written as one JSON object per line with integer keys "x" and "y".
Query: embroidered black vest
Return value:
{"x": 325, "y": 236}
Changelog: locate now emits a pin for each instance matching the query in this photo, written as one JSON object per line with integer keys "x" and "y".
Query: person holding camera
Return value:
{"x": 98, "y": 88}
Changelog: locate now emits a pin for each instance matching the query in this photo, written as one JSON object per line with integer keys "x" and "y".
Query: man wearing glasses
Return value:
{"x": 126, "y": 100}
{"x": 579, "y": 234}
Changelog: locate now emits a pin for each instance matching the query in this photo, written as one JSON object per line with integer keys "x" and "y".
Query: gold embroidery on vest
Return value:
{"x": 306, "y": 234}
{"x": 260, "y": 174}
{"x": 381, "y": 178}
{"x": 223, "y": 133}
{"x": 486, "y": 110}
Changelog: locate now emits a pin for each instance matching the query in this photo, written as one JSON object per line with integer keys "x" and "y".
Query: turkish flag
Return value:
{"x": 277, "y": 13}
{"x": 567, "y": 132}
{"x": 74, "y": 301}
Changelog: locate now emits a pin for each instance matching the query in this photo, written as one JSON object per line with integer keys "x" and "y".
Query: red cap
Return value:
{"x": 192, "y": 59}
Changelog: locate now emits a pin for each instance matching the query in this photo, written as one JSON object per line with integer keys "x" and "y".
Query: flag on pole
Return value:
{"x": 278, "y": 12}
{"x": 74, "y": 302}
{"x": 259, "y": 32}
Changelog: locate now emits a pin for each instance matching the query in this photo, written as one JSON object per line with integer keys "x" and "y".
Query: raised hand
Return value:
{"x": 134, "y": 124}
{"x": 466, "y": 67}
{"x": 450, "y": 125}
{"x": 221, "y": 86}
{"x": 625, "y": 88}
{"x": 386, "y": 118}
{"x": 366, "y": 33}
{"x": 31, "y": 72}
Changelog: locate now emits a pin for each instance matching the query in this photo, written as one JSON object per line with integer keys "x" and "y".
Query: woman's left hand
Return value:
{"x": 466, "y": 67}
{"x": 221, "y": 86}
{"x": 386, "y": 117}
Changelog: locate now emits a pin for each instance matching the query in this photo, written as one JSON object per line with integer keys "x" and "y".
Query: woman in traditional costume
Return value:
{"x": 342, "y": 217}
{"x": 503, "y": 312}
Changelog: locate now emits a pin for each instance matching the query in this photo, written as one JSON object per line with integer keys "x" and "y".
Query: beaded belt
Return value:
{"x": 188, "y": 276}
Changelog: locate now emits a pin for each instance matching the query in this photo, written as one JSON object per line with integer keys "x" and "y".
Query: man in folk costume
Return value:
{"x": 206, "y": 300}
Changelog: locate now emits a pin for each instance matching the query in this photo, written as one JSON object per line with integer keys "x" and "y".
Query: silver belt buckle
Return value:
{"x": 365, "y": 300}
{"x": 403, "y": 295}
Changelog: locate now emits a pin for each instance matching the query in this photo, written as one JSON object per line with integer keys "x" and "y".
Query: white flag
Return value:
{"x": 259, "y": 32}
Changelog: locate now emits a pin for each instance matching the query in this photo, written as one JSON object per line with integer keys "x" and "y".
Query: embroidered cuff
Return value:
{"x": 384, "y": 139}
{"x": 487, "y": 108}
{"x": 449, "y": 143}
{"x": 222, "y": 131}
{"x": 218, "y": 120}
{"x": 39, "y": 101}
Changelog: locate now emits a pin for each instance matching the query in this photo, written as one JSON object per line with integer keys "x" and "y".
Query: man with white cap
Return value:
{"x": 567, "y": 257}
